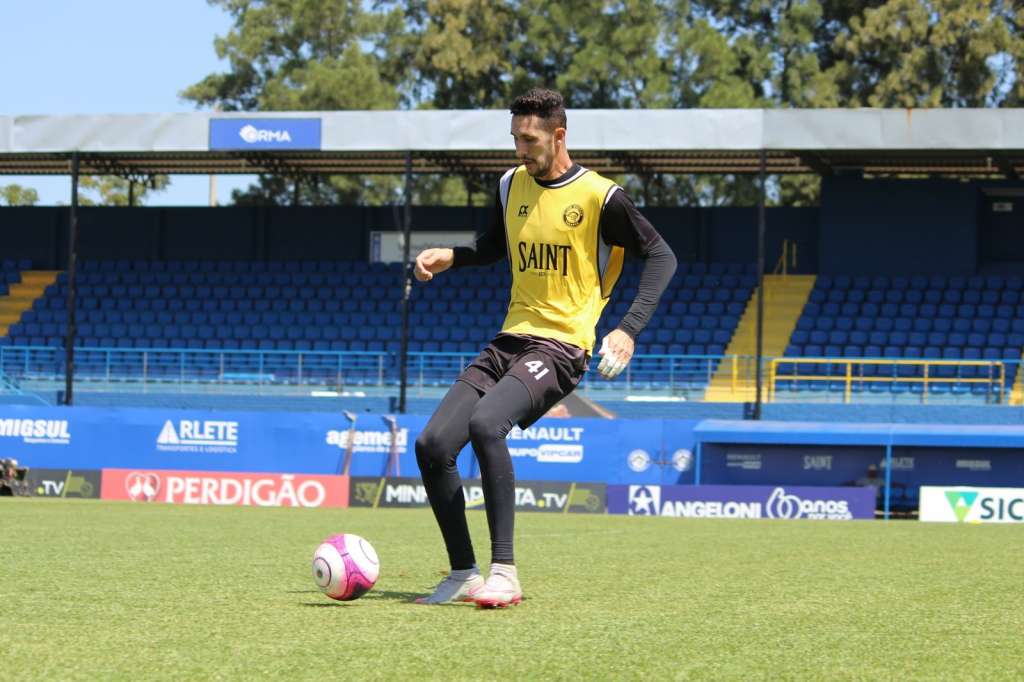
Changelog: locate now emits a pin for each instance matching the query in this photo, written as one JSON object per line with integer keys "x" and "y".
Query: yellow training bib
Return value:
{"x": 562, "y": 271}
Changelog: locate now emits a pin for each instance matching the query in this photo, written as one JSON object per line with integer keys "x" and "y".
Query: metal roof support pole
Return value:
{"x": 407, "y": 291}
{"x": 759, "y": 359}
{"x": 69, "y": 339}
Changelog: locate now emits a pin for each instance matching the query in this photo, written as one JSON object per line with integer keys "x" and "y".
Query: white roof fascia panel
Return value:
{"x": 111, "y": 133}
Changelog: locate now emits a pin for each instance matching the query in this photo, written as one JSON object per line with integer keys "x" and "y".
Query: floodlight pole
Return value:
{"x": 758, "y": 359}
{"x": 403, "y": 366}
{"x": 69, "y": 337}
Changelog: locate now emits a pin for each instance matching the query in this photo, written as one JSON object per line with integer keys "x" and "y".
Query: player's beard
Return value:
{"x": 538, "y": 171}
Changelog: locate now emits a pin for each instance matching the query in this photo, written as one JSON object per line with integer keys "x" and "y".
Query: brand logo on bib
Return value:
{"x": 572, "y": 215}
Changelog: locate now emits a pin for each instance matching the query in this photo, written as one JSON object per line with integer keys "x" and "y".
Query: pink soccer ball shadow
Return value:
{"x": 345, "y": 567}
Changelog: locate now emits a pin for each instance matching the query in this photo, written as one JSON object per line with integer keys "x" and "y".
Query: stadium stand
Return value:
{"x": 277, "y": 310}
{"x": 699, "y": 313}
{"x": 932, "y": 317}
{"x": 339, "y": 322}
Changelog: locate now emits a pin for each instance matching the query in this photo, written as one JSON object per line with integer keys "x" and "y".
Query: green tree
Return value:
{"x": 16, "y": 195}
{"x": 452, "y": 54}
{"x": 926, "y": 53}
{"x": 296, "y": 55}
{"x": 351, "y": 54}
{"x": 302, "y": 55}
{"x": 1013, "y": 12}
{"x": 111, "y": 190}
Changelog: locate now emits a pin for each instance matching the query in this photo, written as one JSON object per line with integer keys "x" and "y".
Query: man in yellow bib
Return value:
{"x": 564, "y": 230}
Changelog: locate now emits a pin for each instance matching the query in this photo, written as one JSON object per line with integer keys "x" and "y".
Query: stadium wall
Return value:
{"x": 823, "y": 453}
{"x": 898, "y": 227}
{"x": 864, "y": 226}
{"x": 719, "y": 234}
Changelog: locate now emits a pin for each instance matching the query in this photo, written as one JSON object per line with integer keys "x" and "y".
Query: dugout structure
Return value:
{"x": 976, "y": 143}
{"x": 986, "y": 454}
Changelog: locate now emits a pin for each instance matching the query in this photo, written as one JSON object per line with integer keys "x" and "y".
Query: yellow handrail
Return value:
{"x": 787, "y": 260}
{"x": 775, "y": 375}
{"x": 735, "y": 372}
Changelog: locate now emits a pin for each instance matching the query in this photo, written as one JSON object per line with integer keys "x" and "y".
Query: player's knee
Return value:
{"x": 430, "y": 450}
{"x": 483, "y": 427}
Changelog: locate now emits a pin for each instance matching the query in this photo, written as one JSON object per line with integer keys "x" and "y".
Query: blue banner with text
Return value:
{"x": 264, "y": 133}
{"x": 607, "y": 451}
{"x": 612, "y": 451}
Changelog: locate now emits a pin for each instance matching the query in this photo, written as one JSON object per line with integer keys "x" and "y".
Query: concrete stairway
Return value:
{"x": 1017, "y": 392}
{"x": 22, "y": 294}
{"x": 785, "y": 297}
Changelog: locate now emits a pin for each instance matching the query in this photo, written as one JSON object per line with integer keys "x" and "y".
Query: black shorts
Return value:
{"x": 549, "y": 369}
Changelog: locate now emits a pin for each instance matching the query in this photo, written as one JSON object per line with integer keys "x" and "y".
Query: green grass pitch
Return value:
{"x": 98, "y": 590}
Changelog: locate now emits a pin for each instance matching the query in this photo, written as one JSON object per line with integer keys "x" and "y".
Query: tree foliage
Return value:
{"x": 16, "y": 195}
{"x": 354, "y": 54}
{"x": 111, "y": 190}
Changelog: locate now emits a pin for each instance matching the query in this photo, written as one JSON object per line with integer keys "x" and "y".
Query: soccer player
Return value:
{"x": 564, "y": 230}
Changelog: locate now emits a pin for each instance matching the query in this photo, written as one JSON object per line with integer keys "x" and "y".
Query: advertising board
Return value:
{"x": 964, "y": 504}
{"x": 543, "y": 496}
{"x": 742, "y": 502}
{"x": 225, "y": 488}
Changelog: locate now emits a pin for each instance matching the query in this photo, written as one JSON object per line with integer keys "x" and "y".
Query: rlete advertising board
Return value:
{"x": 225, "y": 488}
{"x": 742, "y": 502}
{"x": 544, "y": 496}
{"x": 972, "y": 505}
{"x": 64, "y": 482}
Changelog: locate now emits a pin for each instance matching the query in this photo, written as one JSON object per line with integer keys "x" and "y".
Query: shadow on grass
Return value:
{"x": 387, "y": 595}
{"x": 373, "y": 595}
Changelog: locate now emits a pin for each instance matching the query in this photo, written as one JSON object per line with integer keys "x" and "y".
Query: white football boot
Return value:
{"x": 501, "y": 589}
{"x": 458, "y": 586}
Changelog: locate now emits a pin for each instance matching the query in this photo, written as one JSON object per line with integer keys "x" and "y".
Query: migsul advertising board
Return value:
{"x": 972, "y": 505}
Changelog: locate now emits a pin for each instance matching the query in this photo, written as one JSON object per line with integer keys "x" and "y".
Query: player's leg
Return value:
{"x": 504, "y": 406}
{"x": 437, "y": 447}
{"x": 534, "y": 382}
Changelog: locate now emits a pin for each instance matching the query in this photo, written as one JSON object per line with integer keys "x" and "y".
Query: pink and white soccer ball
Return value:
{"x": 345, "y": 567}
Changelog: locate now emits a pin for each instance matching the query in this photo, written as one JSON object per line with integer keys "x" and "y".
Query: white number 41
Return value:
{"x": 534, "y": 366}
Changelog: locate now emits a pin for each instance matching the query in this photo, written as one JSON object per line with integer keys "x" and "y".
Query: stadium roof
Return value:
{"x": 980, "y": 142}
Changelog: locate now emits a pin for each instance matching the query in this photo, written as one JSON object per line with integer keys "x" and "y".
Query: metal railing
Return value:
{"x": 185, "y": 369}
{"x": 9, "y": 387}
{"x": 787, "y": 259}
{"x": 107, "y": 367}
{"x": 858, "y": 373}
{"x": 24, "y": 369}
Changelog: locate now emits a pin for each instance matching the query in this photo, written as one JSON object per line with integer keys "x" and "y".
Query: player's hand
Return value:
{"x": 616, "y": 352}
{"x": 433, "y": 261}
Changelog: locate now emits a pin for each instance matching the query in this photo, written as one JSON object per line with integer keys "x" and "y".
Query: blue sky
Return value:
{"x": 108, "y": 56}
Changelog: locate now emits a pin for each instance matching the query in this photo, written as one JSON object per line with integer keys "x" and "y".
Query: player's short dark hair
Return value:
{"x": 547, "y": 105}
